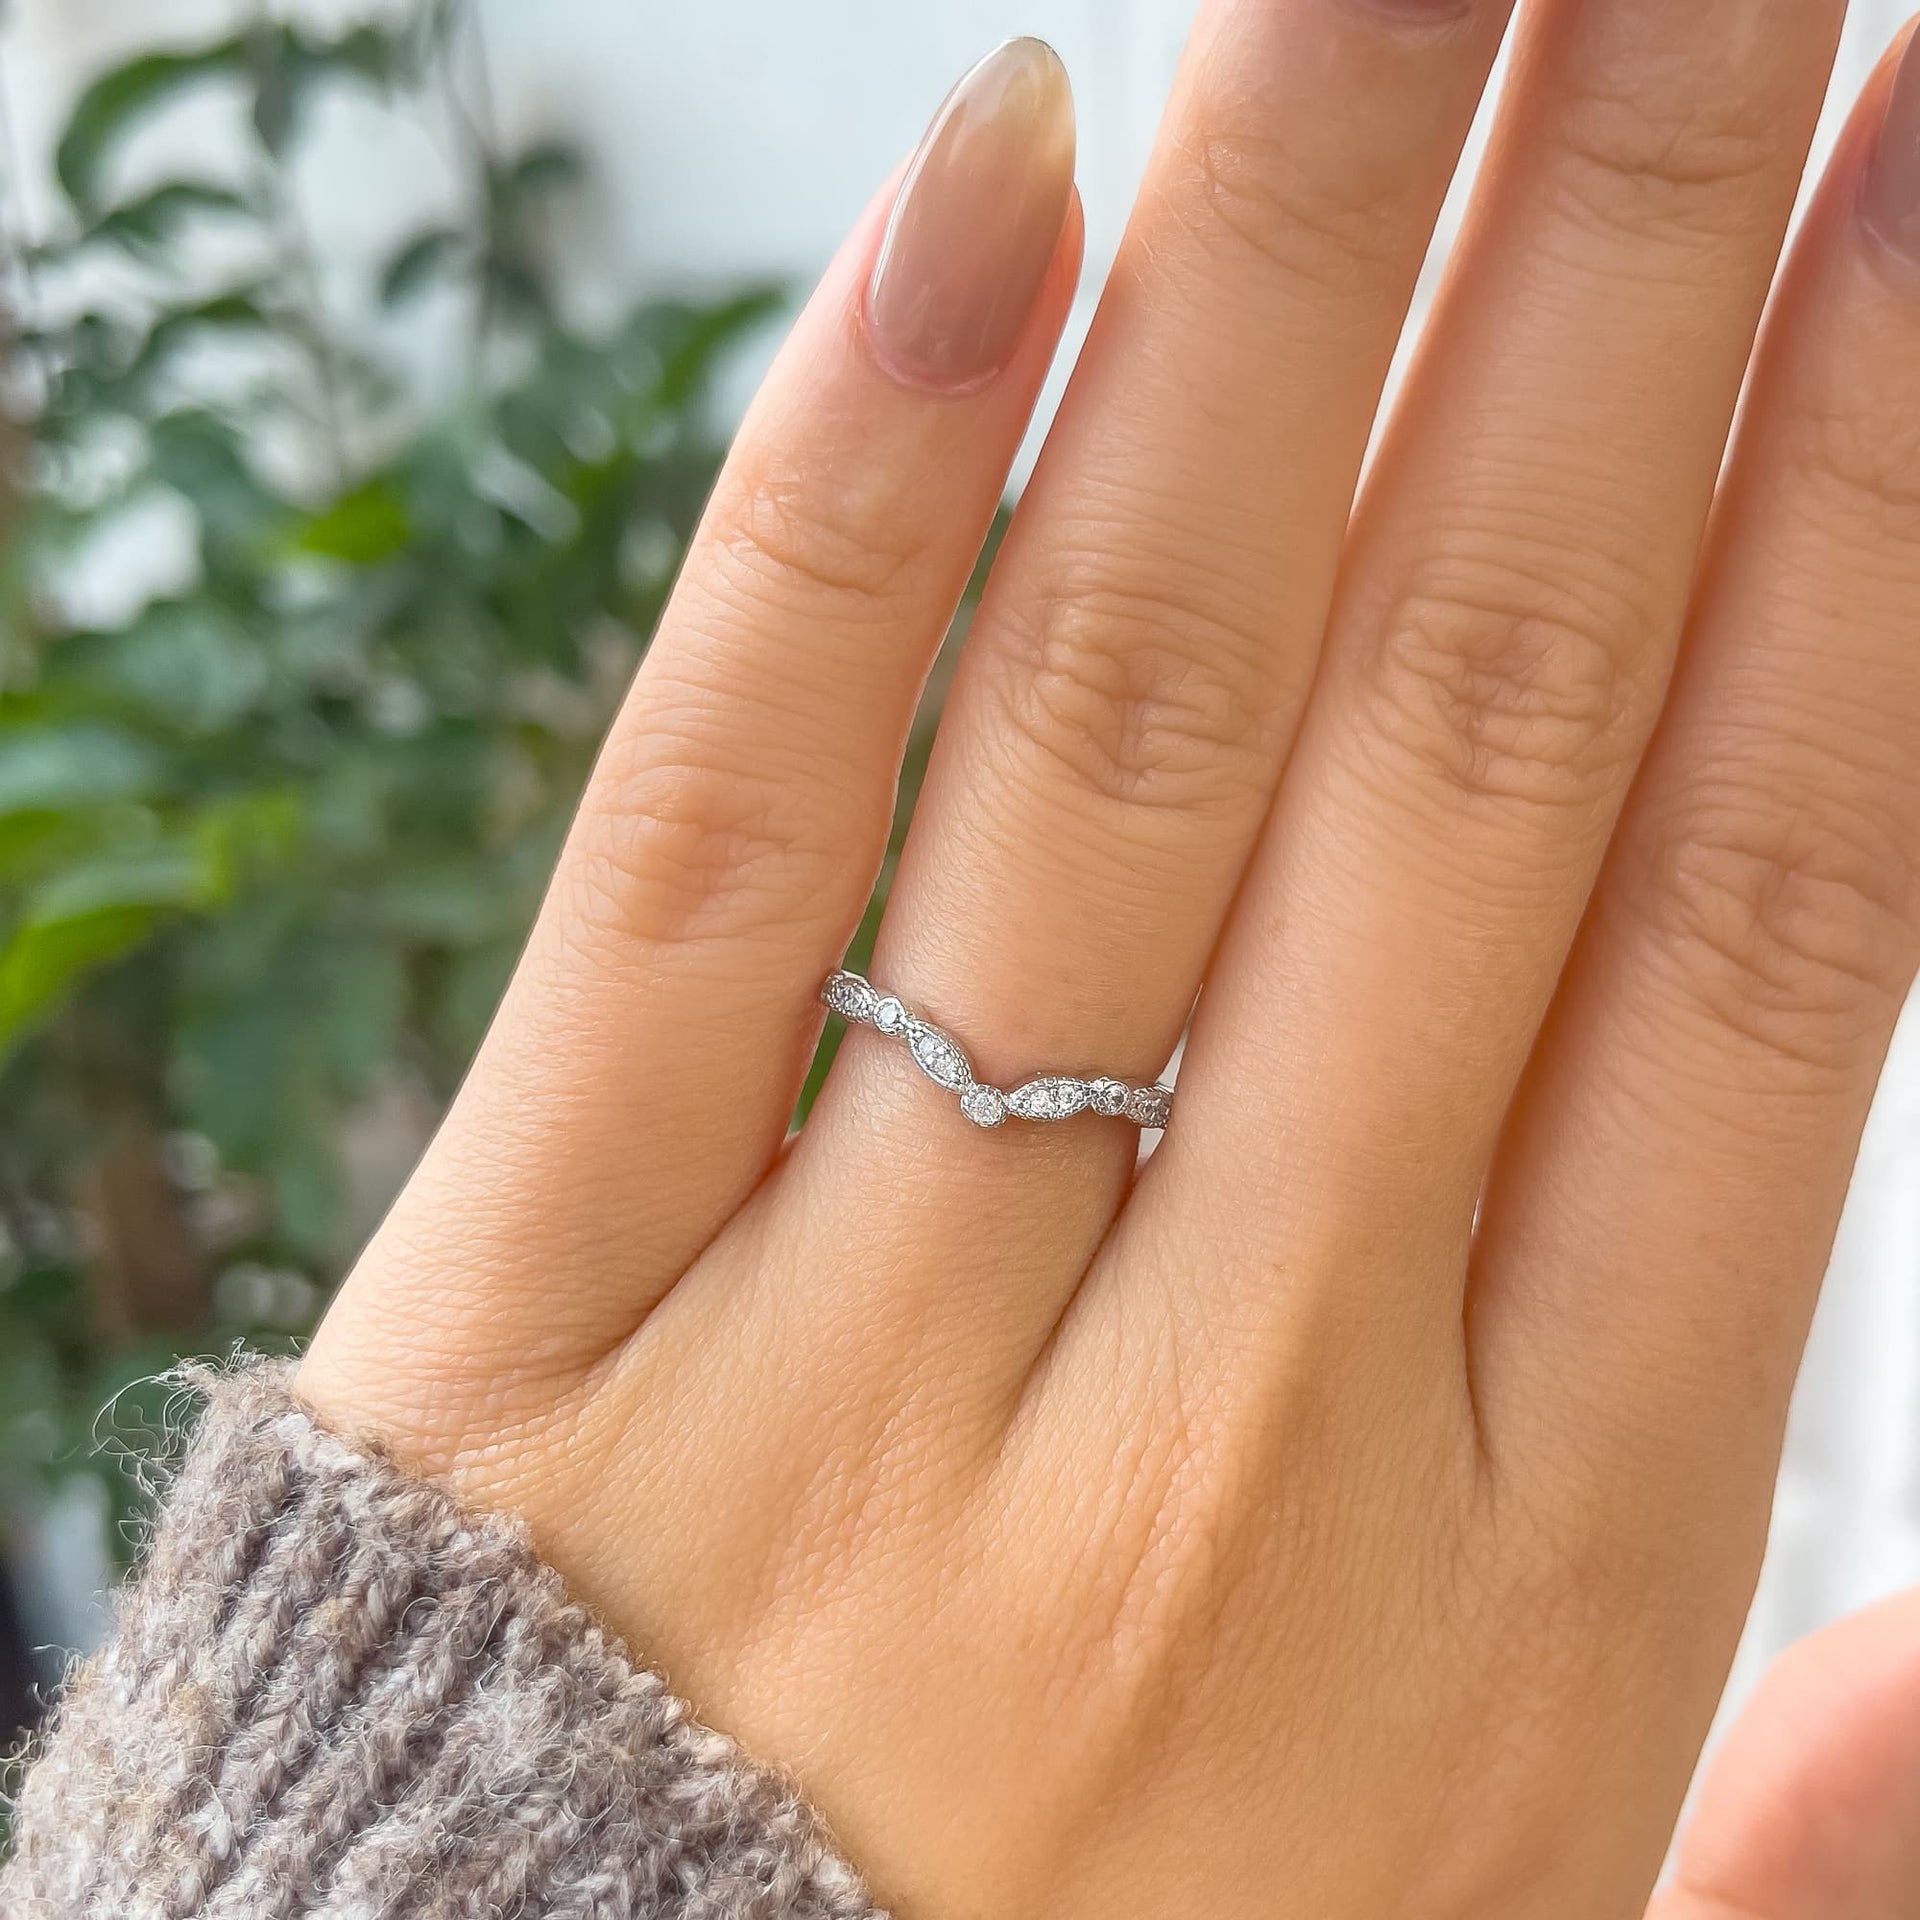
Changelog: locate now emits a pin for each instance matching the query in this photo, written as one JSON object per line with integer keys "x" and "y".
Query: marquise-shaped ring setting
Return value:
{"x": 1050, "y": 1097}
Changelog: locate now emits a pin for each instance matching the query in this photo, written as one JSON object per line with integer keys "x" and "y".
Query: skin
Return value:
{"x": 1352, "y": 1511}
{"x": 1812, "y": 1811}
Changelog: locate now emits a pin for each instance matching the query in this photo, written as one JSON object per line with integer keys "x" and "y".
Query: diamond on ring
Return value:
{"x": 984, "y": 1106}
{"x": 938, "y": 1055}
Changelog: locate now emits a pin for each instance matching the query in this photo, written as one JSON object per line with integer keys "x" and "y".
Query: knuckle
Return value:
{"x": 1861, "y": 463}
{"x": 781, "y": 537}
{"x": 1507, "y": 692}
{"x": 1248, "y": 192}
{"x": 1673, "y": 159}
{"x": 1139, "y": 700}
{"x": 673, "y": 853}
{"x": 1789, "y": 923}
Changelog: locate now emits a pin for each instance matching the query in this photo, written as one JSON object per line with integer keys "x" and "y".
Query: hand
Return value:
{"x": 1354, "y": 1512}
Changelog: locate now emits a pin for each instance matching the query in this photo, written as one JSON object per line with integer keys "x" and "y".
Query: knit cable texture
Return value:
{"x": 334, "y": 1690}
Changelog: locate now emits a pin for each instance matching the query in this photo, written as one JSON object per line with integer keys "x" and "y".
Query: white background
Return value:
{"x": 738, "y": 138}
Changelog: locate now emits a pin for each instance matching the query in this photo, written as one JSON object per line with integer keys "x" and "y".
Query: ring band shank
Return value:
{"x": 1047, "y": 1098}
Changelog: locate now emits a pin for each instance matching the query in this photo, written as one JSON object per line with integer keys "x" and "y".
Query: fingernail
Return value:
{"x": 1892, "y": 201}
{"x": 977, "y": 222}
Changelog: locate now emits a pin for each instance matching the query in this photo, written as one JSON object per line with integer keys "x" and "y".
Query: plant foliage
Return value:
{"x": 269, "y": 842}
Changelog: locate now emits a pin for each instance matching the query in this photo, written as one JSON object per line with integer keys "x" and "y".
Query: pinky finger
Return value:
{"x": 639, "y": 1076}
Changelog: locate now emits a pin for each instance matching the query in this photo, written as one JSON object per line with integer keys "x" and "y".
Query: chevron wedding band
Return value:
{"x": 1053, "y": 1096}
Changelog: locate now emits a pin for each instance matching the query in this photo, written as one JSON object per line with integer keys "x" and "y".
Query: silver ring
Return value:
{"x": 1053, "y": 1096}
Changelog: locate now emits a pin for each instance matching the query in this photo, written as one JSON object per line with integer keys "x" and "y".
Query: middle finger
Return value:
{"x": 1514, "y": 589}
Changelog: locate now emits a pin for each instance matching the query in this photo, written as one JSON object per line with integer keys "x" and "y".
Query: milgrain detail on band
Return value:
{"x": 1054, "y": 1096}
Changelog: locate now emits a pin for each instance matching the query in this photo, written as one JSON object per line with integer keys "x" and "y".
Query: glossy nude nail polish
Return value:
{"x": 1891, "y": 193}
{"x": 977, "y": 221}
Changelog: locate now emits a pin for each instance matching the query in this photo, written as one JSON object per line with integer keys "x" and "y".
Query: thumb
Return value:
{"x": 1812, "y": 1811}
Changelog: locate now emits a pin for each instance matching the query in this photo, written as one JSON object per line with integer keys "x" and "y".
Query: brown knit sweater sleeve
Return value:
{"x": 333, "y": 1690}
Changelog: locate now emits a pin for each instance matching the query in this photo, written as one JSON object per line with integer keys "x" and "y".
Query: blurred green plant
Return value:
{"x": 269, "y": 844}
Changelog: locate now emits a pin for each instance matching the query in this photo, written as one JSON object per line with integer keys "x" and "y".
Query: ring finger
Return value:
{"x": 1131, "y": 683}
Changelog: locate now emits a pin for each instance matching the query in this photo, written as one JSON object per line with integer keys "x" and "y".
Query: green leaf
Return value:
{"x": 364, "y": 528}
{"x": 367, "y": 52}
{"x": 243, "y": 834}
{"x": 92, "y": 912}
{"x": 469, "y": 995}
{"x": 30, "y": 843}
{"x": 230, "y": 1059}
{"x": 152, "y": 222}
{"x": 287, "y": 64}
{"x": 307, "y": 1190}
{"x": 275, "y": 100}
{"x": 691, "y": 340}
{"x": 162, "y": 873}
{"x": 203, "y": 458}
{"x": 516, "y": 287}
{"x": 119, "y": 101}
{"x": 359, "y": 1000}
{"x": 544, "y": 168}
{"x": 189, "y": 663}
{"x": 453, "y": 906}
{"x": 236, "y": 311}
{"x": 438, "y": 254}
{"x": 196, "y": 453}
{"x": 40, "y": 962}
{"x": 81, "y": 765}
